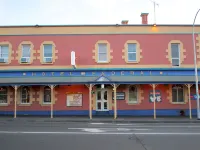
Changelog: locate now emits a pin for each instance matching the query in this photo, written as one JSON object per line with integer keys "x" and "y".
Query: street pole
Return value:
{"x": 195, "y": 66}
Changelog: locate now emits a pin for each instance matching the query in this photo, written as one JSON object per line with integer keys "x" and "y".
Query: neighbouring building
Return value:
{"x": 91, "y": 70}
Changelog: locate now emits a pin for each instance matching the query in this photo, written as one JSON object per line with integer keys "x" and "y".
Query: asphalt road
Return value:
{"x": 26, "y": 135}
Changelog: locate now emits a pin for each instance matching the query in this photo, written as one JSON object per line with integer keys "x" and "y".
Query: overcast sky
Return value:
{"x": 31, "y": 12}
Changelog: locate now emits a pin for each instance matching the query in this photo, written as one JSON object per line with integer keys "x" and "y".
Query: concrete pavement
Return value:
{"x": 29, "y": 135}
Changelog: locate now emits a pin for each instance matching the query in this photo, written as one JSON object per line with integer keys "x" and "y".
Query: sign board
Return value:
{"x": 158, "y": 97}
{"x": 119, "y": 96}
{"x": 74, "y": 99}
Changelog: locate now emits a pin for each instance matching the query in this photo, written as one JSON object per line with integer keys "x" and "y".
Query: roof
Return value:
{"x": 94, "y": 25}
{"x": 87, "y": 80}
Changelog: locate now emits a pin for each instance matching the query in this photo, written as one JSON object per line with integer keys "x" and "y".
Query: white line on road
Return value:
{"x": 97, "y": 133}
{"x": 97, "y": 123}
{"x": 160, "y": 126}
{"x": 105, "y": 129}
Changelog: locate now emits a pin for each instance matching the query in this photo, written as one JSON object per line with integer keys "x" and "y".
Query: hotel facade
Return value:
{"x": 91, "y": 70}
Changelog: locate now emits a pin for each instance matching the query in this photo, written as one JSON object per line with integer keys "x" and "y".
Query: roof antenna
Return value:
{"x": 154, "y": 6}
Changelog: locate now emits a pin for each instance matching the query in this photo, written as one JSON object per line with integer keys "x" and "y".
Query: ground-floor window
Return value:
{"x": 177, "y": 93}
{"x": 47, "y": 95}
{"x": 3, "y": 95}
{"x": 25, "y": 95}
{"x": 133, "y": 94}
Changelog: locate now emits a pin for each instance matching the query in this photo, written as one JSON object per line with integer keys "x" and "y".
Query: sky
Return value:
{"x": 67, "y": 12}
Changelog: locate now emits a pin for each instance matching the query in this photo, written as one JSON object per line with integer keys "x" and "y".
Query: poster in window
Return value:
{"x": 74, "y": 99}
{"x": 158, "y": 97}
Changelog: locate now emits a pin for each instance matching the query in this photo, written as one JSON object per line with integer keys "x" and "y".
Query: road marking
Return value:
{"x": 160, "y": 126}
{"x": 93, "y": 130}
{"x": 97, "y": 133}
{"x": 97, "y": 123}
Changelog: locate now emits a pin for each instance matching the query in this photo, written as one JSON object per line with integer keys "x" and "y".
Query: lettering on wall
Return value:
{"x": 158, "y": 96}
{"x": 100, "y": 73}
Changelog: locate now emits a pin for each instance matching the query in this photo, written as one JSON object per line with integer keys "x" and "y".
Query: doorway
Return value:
{"x": 102, "y": 100}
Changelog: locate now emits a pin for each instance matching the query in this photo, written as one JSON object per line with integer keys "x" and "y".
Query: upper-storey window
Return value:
{"x": 175, "y": 54}
{"x": 48, "y": 53}
{"x": 26, "y": 53}
{"x": 102, "y": 52}
{"x": 132, "y": 54}
{"x": 4, "y": 53}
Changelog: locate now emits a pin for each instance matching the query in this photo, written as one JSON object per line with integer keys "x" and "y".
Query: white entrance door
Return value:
{"x": 102, "y": 100}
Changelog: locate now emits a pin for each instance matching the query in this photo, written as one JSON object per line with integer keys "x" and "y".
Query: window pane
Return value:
{"x": 3, "y": 95}
{"x": 175, "y": 50}
{"x": 47, "y": 95}
{"x": 131, "y": 47}
{"x": 105, "y": 105}
{"x": 180, "y": 95}
{"x": 174, "y": 95}
{"x": 25, "y": 95}
{"x": 4, "y": 51}
{"x": 133, "y": 94}
{"x": 105, "y": 95}
{"x": 175, "y": 62}
{"x": 102, "y": 57}
{"x": 48, "y": 48}
{"x": 131, "y": 56}
{"x": 102, "y": 48}
{"x": 26, "y": 50}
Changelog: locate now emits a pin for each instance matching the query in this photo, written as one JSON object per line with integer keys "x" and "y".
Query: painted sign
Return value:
{"x": 158, "y": 97}
{"x": 194, "y": 96}
{"x": 95, "y": 73}
{"x": 74, "y": 99}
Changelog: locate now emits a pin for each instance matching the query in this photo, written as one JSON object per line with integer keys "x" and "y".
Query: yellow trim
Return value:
{"x": 19, "y": 52}
{"x": 32, "y": 93}
{"x": 198, "y": 48}
{"x": 169, "y": 97}
{"x": 96, "y": 30}
{"x": 54, "y": 52}
{"x": 10, "y": 51}
{"x": 40, "y": 95}
{"x": 138, "y": 51}
{"x": 140, "y": 98}
{"x": 182, "y": 51}
{"x": 109, "y": 51}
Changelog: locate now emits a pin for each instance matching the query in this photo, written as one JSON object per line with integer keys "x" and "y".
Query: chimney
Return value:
{"x": 124, "y": 22}
{"x": 144, "y": 18}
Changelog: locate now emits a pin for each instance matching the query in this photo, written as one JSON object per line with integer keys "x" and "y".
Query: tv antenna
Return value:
{"x": 154, "y": 6}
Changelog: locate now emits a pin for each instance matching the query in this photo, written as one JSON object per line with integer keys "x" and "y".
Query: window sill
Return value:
{"x": 47, "y": 63}
{"x": 28, "y": 104}
{"x": 178, "y": 103}
{"x": 102, "y": 62}
{"x": 133, "y": 103}
{"x": 132, "y": 62}
{"x": 4, "y": 104}
{"x": 45, "y": 104}
{"x": 27, "y": 63}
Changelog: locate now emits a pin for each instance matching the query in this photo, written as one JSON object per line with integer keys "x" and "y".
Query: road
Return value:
{"x": 26, "y": 135}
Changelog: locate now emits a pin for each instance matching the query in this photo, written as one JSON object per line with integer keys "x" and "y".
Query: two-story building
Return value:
{"x": 118, "y": 70}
